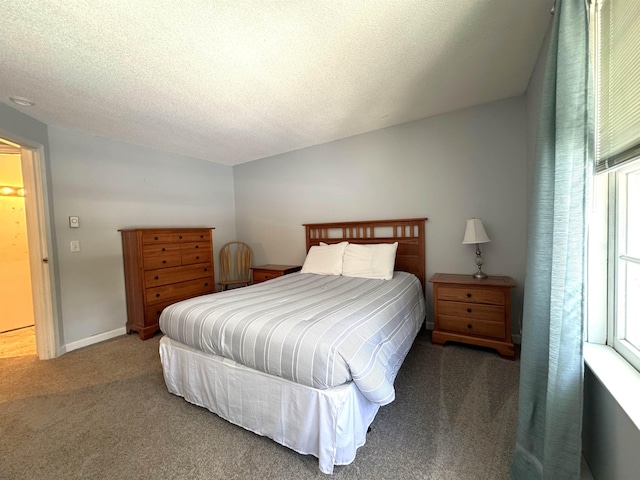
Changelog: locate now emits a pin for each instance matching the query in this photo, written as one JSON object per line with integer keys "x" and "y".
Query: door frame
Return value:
{"x": 40, "y": 262}
{"x": 40, "y": 243}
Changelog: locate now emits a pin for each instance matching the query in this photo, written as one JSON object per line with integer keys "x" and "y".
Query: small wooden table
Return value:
{"x": 267, "y": 272}
{"x": 473, "y": 311}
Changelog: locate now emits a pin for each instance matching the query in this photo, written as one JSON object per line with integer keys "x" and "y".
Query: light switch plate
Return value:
{"x": 74, "y": 222}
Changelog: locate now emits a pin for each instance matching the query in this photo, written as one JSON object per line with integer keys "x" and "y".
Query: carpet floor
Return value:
{"x": 103, "y": 412}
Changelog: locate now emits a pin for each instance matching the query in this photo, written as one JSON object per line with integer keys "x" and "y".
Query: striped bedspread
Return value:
{"x": 316, "y": 330}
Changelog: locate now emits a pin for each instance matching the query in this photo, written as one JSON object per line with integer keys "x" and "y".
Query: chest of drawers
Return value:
{"x": 473, "y": 311}
{"x": 163, "y": 266}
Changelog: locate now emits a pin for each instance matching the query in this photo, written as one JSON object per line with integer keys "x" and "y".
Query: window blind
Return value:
{"x": 618, "y": 83}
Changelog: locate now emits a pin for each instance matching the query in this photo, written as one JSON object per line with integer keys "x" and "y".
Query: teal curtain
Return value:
{"x": 548, "y": 443}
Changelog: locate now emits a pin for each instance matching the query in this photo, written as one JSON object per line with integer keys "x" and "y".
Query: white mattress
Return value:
{"x": 316, "y": 330}
{"x": 330, "y": 423}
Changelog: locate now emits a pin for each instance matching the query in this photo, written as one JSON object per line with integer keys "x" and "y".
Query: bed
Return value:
{"x": 306, "y": 359}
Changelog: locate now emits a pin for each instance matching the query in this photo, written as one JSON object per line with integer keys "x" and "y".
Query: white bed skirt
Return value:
{"x": 330, "y": 424}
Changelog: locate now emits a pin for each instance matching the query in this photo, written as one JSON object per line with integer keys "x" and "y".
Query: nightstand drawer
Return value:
{"x": 471, "y": 326}
{"x": 471, "y": 294}
{"x": 259, "y": 277}
{"x": 471, "y": 310}
{"x": 267, "y": 272}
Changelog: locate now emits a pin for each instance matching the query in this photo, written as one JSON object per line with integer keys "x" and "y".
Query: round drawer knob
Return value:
{"x": 206, "y": 269}
{"x": 180, "y": 237}
{"x": 156, "y": 277}
{"x": 469, "y": 326}
{"x": 157, "y": 295}
{"x": 468, "y": 295}
{"x": 155, "y": 238}
{"x": 164, "y": 261}
{"x": 197, "y": 246}
{"x": 206, "y": 284}
{"x": 197, "y": 258}
{"x": 164, "y": 249}
{"x": 468, "y": 310}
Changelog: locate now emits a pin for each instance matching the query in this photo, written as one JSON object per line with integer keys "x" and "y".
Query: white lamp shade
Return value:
{"x": 474, "y": 233}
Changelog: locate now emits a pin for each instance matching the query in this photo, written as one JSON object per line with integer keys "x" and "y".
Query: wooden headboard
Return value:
{"x": 409, "y": 233}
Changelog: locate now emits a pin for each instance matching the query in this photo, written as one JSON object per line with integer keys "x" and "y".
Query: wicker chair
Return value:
{"x": 235, "y": 265}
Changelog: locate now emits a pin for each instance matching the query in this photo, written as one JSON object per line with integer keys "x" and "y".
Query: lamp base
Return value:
{"x": 480, "y": 275}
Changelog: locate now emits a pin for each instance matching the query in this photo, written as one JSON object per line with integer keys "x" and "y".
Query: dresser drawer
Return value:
{"x": 194, "y": 247}
{"x": 197, "y": 237}
{"x": 165, "y": 276}
{"x": 160, "y": 250}
{"x": 162, "y": 261}
{"x": 180, "y": 290}
{"x": 197, "y": 257}
{"x": 471, "y": 295}
{"x": 153, "y": 312}
{"x": 477, "y": 311}
{"x": 471, "y": 326}
{"x": 155, "y": 238}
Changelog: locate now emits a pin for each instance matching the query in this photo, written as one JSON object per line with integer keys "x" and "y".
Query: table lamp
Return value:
{"x": 474, "y": 233}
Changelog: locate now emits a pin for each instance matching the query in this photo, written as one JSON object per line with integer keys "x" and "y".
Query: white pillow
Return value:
{"x": 325, "y": 259}
{"x": 370, "y": 261}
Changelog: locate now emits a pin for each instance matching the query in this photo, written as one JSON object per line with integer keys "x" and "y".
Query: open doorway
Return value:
{"x": 17, "y": 331}
{"x": 27, "y": 320}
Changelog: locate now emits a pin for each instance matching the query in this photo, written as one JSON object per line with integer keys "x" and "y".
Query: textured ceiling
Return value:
{"x": 234, "y": 81}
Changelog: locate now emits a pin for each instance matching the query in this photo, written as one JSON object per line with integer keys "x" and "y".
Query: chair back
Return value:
{"x": 235, "y": 262}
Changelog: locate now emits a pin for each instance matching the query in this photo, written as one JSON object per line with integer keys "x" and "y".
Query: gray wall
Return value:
{"x": 112, "y": 185}
{"x": 610, "y": 439}
{"x": 470, "y": 163}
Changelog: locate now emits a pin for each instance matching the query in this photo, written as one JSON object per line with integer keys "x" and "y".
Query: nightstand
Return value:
{"x": 473, "y": 311}
{"x": 267, "y": 272}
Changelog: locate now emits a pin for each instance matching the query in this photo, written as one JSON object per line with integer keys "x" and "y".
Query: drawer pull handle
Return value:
{"x": 157, "y": 295}
{"x": 156, "y": 277}
{"x": 201, "y": 236}
{"x": 469, "y": 326}
{"x": 164, "y": 249}
{"x": 468, "y": 310}
{"x": 468, "y": 295}
{"x": 197, "y": 258}
{"x": 155, "y": 238}
{"x": 206, "y": 284}
{"x": 206, "y": 269}
{"x": 164, "y": 261}
{"x": 197, "y": 246}
{"x": 180, "y": 237}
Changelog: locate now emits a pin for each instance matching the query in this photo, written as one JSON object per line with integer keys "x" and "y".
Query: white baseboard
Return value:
{"x": 85, "y": 342}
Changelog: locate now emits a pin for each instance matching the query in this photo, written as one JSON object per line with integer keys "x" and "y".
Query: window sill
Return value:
{"x": 617, "y": 375}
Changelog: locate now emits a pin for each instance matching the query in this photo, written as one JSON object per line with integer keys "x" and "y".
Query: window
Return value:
{"x": 626, "y": 338}
{"x": 614, "y": 235}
